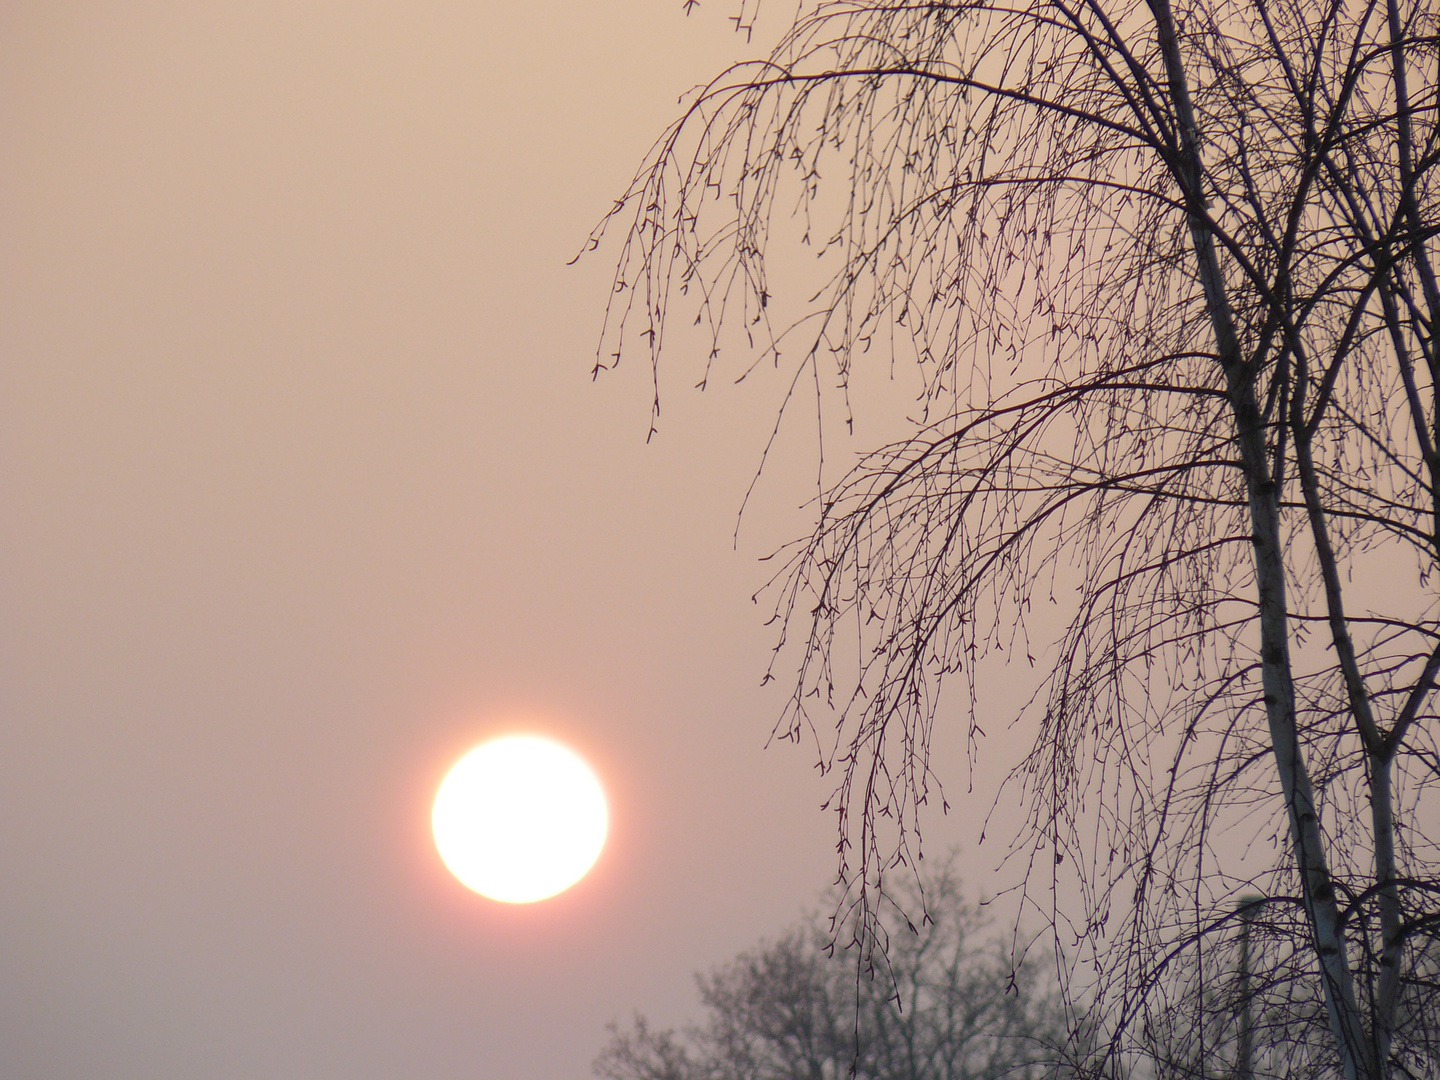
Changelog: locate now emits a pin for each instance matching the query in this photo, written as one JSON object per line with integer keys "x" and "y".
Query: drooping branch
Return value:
{"x": 1166, "y": 289}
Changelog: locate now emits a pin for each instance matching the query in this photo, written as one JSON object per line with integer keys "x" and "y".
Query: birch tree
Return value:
{"x": 1165, "y": 270}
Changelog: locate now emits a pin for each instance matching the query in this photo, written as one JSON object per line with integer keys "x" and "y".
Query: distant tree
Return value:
{"x": 1166, "y": 271}
{"x": 948, "y": 1007}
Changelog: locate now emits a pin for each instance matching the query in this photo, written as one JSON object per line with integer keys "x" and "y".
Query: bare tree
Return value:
{"x": 949, "y": 1006}
{"x": 1165, "y": 269}
{"x": 1249, "y": 1007}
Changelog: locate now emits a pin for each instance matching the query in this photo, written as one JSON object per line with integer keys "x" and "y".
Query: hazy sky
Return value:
{"x": 307, "y": 490}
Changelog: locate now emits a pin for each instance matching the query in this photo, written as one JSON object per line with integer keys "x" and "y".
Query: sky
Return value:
{"x": 307, "y": 491}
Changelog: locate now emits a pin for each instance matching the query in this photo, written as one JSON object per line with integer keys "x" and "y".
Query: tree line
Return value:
{"x": 947, "y": 1004}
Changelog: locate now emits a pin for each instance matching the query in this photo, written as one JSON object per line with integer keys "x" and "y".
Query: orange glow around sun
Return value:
{"x": 519, "y": 819}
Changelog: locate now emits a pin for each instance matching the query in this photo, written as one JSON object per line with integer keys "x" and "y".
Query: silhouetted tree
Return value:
{"x": 1165, "y": 269}
{"x": 1249, "y": 1007}
{"x": 949, "y": 1006}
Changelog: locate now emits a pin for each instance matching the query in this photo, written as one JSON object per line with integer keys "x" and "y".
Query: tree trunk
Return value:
{"x": 1262, "y": 497}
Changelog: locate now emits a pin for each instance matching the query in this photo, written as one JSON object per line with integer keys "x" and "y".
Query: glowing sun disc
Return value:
{"x": 519, "y": 819}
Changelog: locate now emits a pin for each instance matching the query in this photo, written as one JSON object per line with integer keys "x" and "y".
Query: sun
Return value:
{"x": 519, "y": 819}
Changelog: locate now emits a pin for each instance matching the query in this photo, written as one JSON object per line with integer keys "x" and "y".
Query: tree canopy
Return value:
{"x": 1165, "y": 268}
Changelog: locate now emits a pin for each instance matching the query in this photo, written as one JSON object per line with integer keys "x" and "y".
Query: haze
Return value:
{"x": 307, "y": 491}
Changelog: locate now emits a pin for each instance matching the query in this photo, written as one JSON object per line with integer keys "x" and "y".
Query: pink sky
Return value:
{"x": 307, "y": 490}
